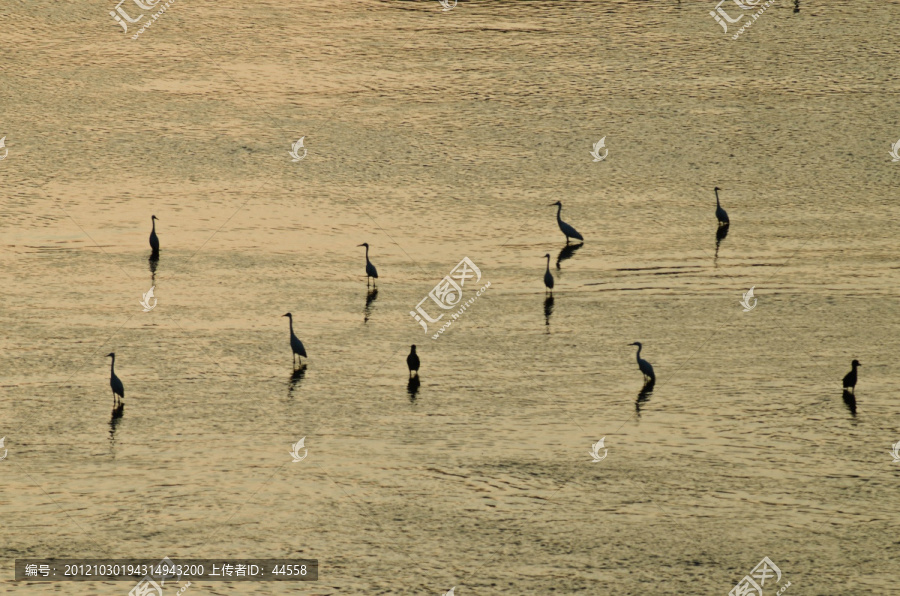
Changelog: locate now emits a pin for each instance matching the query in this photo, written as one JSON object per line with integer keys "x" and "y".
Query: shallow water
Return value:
{"x": 435, "y": 136}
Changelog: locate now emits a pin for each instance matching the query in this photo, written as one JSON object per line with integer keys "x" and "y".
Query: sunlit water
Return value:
{"x": 435, "y": 136}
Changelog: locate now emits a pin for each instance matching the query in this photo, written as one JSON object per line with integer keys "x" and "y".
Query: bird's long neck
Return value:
{"x": 367, "y": 254}
{"x": 112, "y": 365}
{"x": 291, "y": 324}
{"x": 717, "y": 198}
{"x": 153, "y": 222}
{"x": 548, "y": 264}
{"x": 638, "y": 356}
{"x": 558, "y": 211}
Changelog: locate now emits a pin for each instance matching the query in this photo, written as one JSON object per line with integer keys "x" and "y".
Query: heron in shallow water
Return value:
{"x": 412, "y": 361}
{"x": 548, "y": 277}
{"x": 566, "y": 229}
{"x": 643, "y": 364}
{"x": 296, "y": 345}
{"x": 154, "y": 239}
{"x": 115, "y": 383}
{"x": 370, "y": 268}
{"x": 850, "y": 377}
{"x": 720, "y": 213}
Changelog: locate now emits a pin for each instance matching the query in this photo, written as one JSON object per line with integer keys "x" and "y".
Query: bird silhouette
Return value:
{"x": 548, "y": 277}
{"x": 566, "y": 229}
{"x": 296, "y": 345}
{"x": 412, "y": 361}
{"x": 643, "y": 364}
{"x": 720, "y": 213}
{"x": 850, "y": 377}
{"x": 154, "y": 239}
{"x": 115, "y": 383}
{"x": 371, "y": 272}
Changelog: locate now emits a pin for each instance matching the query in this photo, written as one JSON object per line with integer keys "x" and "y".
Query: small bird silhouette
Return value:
{"x": 296, "y": 345}
{"x": 154, "y": 239}
{"x": 643, "y": 364}
{"x": 566, "y": 229}
{"x": 371, "y": 272}
{"x": 548, "y": 277}
{"x": 720, "y": 213}
{"x": 850, "y": 377}
{"x": 115, "y": 383}
{"x": 412, "y": 361}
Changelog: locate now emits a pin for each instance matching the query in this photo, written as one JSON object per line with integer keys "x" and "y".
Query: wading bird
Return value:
{"x": 115, "y": 383}
{"x": 296, "y": 344}
{"x": 566, "y": 229}
{"x": 720, "y": 213}
{"x": 643, "y": 364}
{"x": 412, "y": 361}
{"x": 850, "y": 377}
{"x": 370, "y": 268}
{"x": 548, "y": 278}
{"x": 154, "y": 240}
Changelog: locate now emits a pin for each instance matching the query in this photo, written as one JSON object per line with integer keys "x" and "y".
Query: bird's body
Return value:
{"x": 371, "y": 272}
{"x": 720, "y": 213}
{"x": 566, "y": 229}
{"x": 850, "y": 377}
{"x": 412, "y": 361}
{"x": 548, "y": 277}
{"x": 115, "y": 383}
{"x": 154, "y": 239}
{"x": 296, "y": 345}
{"x": 643, "y": 364}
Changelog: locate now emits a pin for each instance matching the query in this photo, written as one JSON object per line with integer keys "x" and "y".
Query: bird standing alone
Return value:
{"x": 296, "y": 345}
{"x": 643, "y": 364}
{"x": 115, "y": 383}
{"x": 154, "y": 239}
{"x": 850, "y": 377}
{"x": 412, "y": 361}
{"x": 566, "y": 229}
{"x": 370, "y": 268}
{"x": 548, "y": 277}
{"x": 720, "y": 213}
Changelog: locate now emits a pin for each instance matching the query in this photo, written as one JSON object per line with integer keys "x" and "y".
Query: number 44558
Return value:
{"x": 289, "y": 570}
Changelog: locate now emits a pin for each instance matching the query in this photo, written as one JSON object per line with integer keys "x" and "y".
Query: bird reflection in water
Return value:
{"x": 796, "y": 6}
{"x": 413, "y": 388}
{"x": 296, "y": 377}
{"x": 644, "y": 396}
{"x": 548, "y": 310}
{"x": 117, "y": 412}
{"x": 153, "y": 261}
{"x": 567, "y": 251}
{"x": 721, "y": 233}
{"x": 850, "y": 402}
{"x": 371, "y": 295}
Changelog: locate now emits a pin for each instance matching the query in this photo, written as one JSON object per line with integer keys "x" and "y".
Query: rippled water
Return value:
{"x": 434, "y": 136}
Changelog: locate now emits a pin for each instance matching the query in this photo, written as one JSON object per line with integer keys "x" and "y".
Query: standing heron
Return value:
{"x": 115, "y": 383}
{"x": 296, "y": 345}
{"x": 643, "y": 364}
{"x": 154, "y": 239}
{"x": 566, "y": 229}
{"x": 850, "y": 377}
{"x": 412, "y": 361}
{"x": 548, "y": 277}
{"x": 370, "y": 268}
{"x": 720, "y": 213}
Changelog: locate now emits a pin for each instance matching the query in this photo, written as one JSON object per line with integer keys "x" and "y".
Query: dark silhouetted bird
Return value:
{"x": 370, "y": 268}
{"x": 720, "y": 213}
{"x": 412, "y": 361}
{"x": 296, "y": 345}
{"x": 566, "y": 229}
{"x": 850, "y": 377}
{"x": 154, "y": 239}
{"x": 115, "y": 383}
